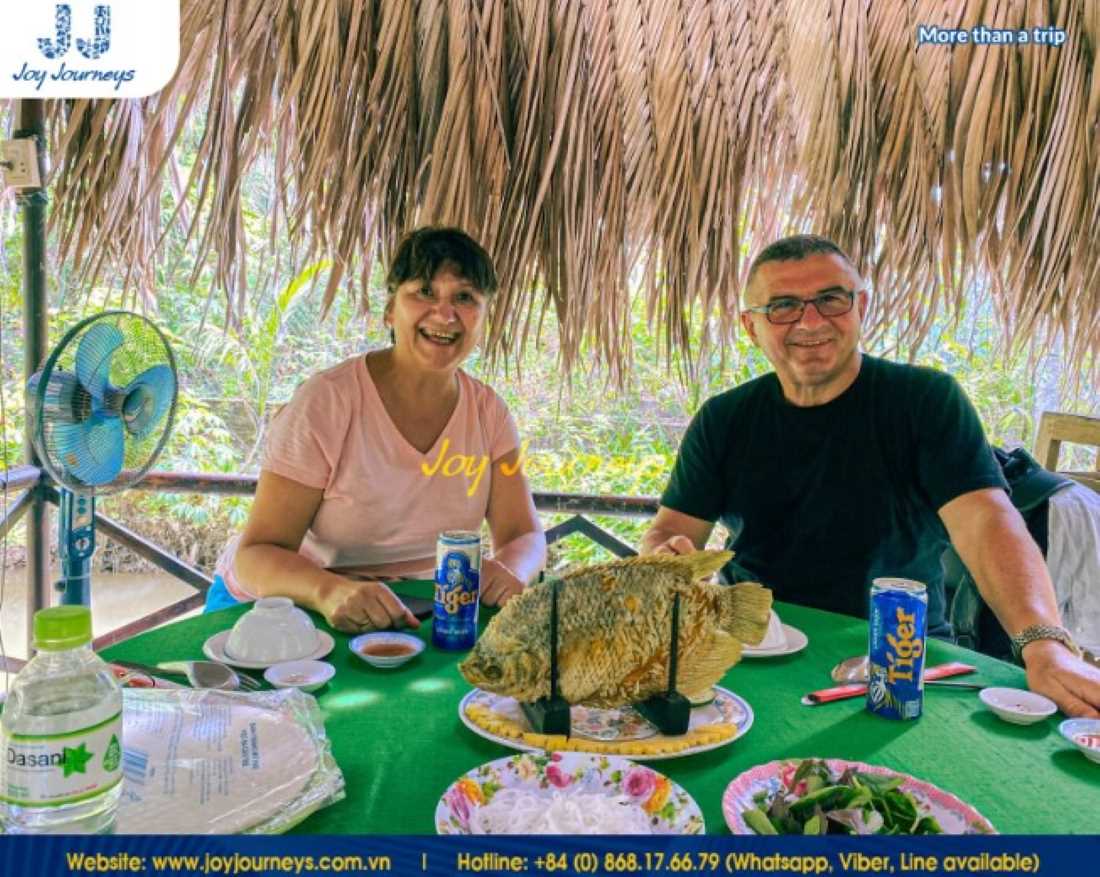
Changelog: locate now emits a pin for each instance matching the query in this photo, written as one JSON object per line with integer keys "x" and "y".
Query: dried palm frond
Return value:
{"x": 592, "y": 146}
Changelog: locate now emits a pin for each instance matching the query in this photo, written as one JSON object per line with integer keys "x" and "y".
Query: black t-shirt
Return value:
{"x": 821, "y": 500}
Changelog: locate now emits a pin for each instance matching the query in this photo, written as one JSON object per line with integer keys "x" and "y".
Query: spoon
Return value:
{"x": 850, "y": 670}
{"x": 200, "y": 674}
{"x": 209, "y": 674}
{"x": 855, "y": 670}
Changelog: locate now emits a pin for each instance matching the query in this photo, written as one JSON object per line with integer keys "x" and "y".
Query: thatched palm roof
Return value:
{"x": 584, "y": 141}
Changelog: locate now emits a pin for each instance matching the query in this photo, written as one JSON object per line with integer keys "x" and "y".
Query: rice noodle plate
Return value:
{"x": 515, "y": 812}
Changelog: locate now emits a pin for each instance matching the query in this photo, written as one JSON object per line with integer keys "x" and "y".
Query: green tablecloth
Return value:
{"x": 398, "y": 739}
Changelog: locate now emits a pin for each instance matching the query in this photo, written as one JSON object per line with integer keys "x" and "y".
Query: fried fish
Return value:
{"x": 614, "y": 631}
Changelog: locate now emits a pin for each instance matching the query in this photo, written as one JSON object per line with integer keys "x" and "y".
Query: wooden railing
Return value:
{"x": 24, "y": 481}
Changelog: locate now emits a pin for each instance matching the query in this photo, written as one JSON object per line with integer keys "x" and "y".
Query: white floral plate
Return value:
{"x": 953, "y": 815}
{"x": 668, "y": 808}
{"x": 609, "y": 724}
{"x": 614, "y": 725}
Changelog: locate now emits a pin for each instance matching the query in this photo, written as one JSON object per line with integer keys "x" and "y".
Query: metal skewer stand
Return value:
{"x": 671, "y": 711}
{"x": 550, "y": 715}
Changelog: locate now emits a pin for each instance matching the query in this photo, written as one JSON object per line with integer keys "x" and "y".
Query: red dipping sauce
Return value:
{"x": 387, "y": 650}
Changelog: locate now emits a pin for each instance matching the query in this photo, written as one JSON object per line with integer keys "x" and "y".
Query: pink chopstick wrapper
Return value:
{"x": 855, "y": 689}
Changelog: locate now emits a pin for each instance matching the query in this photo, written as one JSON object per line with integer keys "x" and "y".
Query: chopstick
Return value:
{"x": 932, "y": 676}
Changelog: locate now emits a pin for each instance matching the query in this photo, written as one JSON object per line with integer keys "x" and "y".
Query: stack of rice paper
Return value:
{"x": 217, "y": 762}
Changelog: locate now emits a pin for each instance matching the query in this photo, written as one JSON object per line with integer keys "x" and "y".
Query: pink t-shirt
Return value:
{"x": 384, "y": 502}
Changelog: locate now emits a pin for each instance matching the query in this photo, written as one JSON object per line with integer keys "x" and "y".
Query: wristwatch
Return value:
{"x": 1043, "y": 631}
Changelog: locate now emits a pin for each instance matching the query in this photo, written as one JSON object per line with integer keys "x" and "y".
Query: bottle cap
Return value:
{"x": 62, "y": 627}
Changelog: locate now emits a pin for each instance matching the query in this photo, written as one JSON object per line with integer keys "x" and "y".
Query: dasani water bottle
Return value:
{"x": 61, "y": 732}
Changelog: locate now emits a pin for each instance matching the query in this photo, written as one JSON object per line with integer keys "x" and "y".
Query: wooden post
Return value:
{"x": 30, "y": 123}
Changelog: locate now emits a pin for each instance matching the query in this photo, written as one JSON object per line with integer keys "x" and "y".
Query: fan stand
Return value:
{"x": 82, "y": 423}
{"x": 75, "y": 546}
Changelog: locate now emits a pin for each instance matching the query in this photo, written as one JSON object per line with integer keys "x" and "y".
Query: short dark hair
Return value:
{"x": 421, "y": 253}
{"x": 792, "y": 248}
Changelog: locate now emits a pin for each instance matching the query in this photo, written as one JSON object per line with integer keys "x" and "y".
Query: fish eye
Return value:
{"x": 491, "y": 671}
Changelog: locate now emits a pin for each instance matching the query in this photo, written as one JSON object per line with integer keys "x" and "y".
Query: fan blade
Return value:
{"x": 147, "y": 398}
{"x": 93, "y": 358}
{"x": 62, "y": 397}
{"x": 91, "y": 451}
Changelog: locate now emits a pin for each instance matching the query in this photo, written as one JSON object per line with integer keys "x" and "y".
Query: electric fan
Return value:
{"x": 101, "y": 409}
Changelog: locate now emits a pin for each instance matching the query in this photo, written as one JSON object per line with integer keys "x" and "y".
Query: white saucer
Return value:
{"x": 306, "y": 675}
{"x": 796, "y": 642}
{"x": 214, "y": 649}
{"x": 1017, "y": 705}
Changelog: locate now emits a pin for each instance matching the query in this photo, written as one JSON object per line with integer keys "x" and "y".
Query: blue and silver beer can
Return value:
{"x": 457, "y": 589}
{"x": 895, "y": 646}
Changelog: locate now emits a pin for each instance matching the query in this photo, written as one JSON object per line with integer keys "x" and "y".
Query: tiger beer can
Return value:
{"x": 897, "y": 630}
{"x": 457, "y": 589}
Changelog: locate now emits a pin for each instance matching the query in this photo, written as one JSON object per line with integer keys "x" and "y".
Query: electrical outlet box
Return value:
{"x": 19, "y": 163}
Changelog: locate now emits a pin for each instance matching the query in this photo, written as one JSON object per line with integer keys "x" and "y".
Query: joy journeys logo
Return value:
{"x": 89, "y": 48}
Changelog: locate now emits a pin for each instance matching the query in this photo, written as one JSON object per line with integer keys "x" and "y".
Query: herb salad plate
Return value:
{"x": 953, "y": 815}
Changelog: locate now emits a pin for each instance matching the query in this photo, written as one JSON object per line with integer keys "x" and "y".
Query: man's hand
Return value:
{"x": 353, "y": 606}
{"x": 498, "y": 583}
{"x": 675, "y": 545}
{"x": 1053, "y": 671}
{"x": 673, "y": 532}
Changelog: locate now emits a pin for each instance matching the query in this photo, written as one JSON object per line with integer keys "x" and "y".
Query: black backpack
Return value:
{"x": 976, "y": 627}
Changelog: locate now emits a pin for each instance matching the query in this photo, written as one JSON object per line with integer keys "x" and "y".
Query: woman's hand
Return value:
{"x": 354, "y": 606}
{"x": 498, "y": 583}
{"x": 519, "y": 546}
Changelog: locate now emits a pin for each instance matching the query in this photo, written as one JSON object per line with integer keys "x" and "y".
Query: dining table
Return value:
{"x": 398, "y": 739}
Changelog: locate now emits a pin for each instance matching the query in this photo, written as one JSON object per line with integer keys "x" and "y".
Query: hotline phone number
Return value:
{"x": 649, "y": 862}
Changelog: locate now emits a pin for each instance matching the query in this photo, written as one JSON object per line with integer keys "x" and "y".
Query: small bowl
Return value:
{"x": 304, "y": 675}
{"x": 775, "y": 638}
{"x": 272, "y": 631}
{"x": 1085, "y": 735}
{"x": 391, "y": 649}
{"x": 1017, "y": 705}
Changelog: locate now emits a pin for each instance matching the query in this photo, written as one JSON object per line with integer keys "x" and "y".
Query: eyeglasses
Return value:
{"x": 830, "y": 303}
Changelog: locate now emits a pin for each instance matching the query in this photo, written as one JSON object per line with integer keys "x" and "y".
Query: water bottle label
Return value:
{"x": 51, "y": 770}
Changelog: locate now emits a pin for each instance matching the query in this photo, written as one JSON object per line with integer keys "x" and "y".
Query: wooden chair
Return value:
{"x": 1055, "y": 428}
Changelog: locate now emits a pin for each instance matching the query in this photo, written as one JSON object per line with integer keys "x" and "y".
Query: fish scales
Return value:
{"x": 614, "y": 631}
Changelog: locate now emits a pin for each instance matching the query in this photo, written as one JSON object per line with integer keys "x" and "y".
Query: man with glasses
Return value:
{"x": 839, "y": 467}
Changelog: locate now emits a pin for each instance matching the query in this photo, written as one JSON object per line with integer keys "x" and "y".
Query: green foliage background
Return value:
{"x": 584, "y": 437}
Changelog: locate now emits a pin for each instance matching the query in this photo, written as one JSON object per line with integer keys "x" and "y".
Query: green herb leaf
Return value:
{"x": 758, "y": 821}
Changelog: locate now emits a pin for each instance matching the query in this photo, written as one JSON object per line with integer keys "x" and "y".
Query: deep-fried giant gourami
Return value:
{"x": 614, "y": 631}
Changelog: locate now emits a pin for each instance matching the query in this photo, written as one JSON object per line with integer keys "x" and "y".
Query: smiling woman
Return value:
{"x": 438, "y": 295}
{"x": 347, "y": 494}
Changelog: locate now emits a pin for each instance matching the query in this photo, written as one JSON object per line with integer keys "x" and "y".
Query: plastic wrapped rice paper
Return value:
{"x": 223, "y": 762}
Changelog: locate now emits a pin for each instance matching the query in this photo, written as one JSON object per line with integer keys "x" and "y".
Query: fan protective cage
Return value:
{"x": 143, "y": 347}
